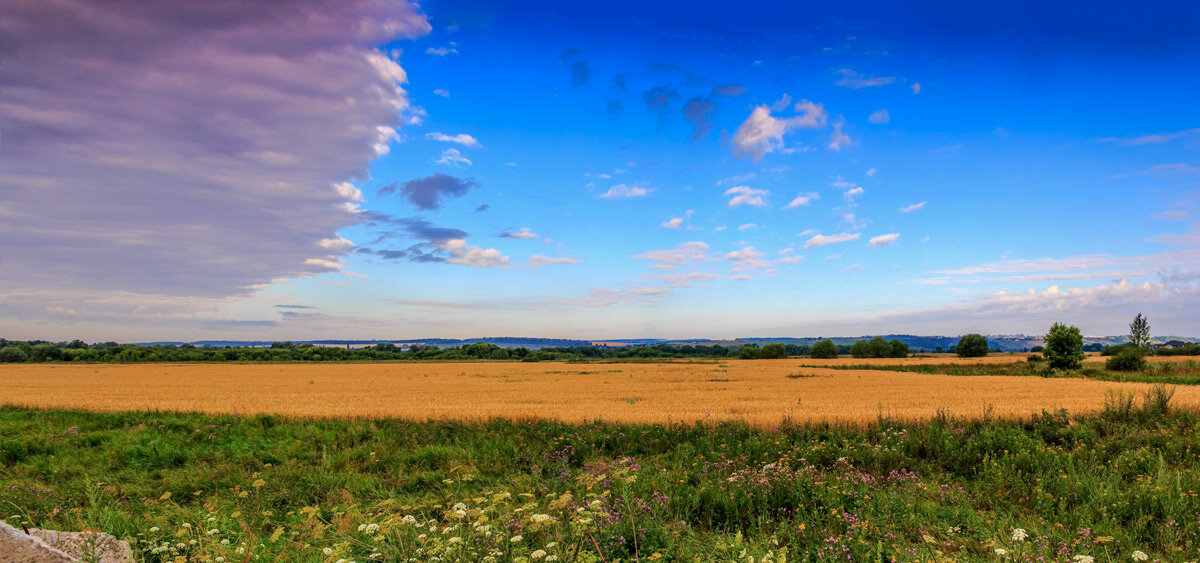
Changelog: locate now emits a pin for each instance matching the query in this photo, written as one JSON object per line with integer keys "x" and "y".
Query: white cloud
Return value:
{"x": 822, "y": 240}
{"x": 837, "y": 256}
{"x": 737, "y": 179}
{"x": 916, "y": 88}
{"x": 461, "y": 138}
{"x": 623, "y": 191}
{"x": 347, "y": 191}
{"x": 673, "y": 223}
{"x": 761, "y": 133}
{"x": 476, "y": 256}
{"x": 683, "y": 279}
{"x": 854, "y": 80}
{"x": 747, "y": 259}
{"x": 806, "y": 232}
{"x": 871, "y": 172}
{"x": 453, "y": 157}
{"x": 337, "y": 245}
{"x": 442, "y": 93}
{"x": 803, "y": 199}
{"x": 853, "y": 193}
{"x": 537, "y": 260}
{"x": 913, "y": 207}
{"x": 442, "y": 51}
{"x": 522, "y": 233}
{"x": 853, "y": 268}
{"x": 745, "y": 195}
{"x": 683, "y": 254}
{"x": 881, "y": 117}
{"x": 793, "y": 259}
{"x": 747, "y": 226}
{"x": 883, "y": 240}
{"x": 839, "y": 140}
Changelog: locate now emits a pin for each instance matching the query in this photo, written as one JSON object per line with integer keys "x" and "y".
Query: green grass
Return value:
{"x": 1174, "y": 373}
{"x": 178, "y": 485}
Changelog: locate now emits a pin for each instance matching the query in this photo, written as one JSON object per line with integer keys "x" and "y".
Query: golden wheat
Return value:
{"x": 761, "y": 392}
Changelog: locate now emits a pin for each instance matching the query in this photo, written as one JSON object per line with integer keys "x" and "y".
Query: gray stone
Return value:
{"x": 53, "y": 546}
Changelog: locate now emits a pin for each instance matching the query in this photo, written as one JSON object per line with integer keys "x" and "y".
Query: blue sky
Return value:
{"x": 470, "y": 169}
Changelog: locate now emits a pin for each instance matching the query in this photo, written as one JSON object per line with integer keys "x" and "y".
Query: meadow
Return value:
{"x": 747, "y": 461}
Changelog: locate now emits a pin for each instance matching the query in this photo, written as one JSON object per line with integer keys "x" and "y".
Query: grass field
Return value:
{"x": 760, "y": 392}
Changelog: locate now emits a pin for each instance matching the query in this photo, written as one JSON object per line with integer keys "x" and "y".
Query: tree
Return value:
{"x": 860, "y": 349}
{"x": 898, "y": 349}
{"x": 1139, "y": 331}
{"x": 1063, "y": 347}
{"x": 773, "y": 350}
{"x": 825, "y": 349}
{"x": 749, "y": 352}
{"x": 12, "y": 355}
{"x": 972, "y": 346}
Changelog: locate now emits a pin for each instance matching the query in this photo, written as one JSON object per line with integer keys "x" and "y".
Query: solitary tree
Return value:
{"x": 825, "y": 349}
{"x": 1139, "y": 331}
{"x": 972, "y": 346}
{"x": 1064, "y": 347}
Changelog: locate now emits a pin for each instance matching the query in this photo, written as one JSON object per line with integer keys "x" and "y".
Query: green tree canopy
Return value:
{"x": 1139, "y": 331}
{"x": 972, "y": 346}
{"x": 1063, "y": 347}
{"x": 773, "y": 350}
{"x": 825, "y": 349}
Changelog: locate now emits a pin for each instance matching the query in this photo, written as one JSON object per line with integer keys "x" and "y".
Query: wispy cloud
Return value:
{"x": 803, "y": 200}
{"x": 881, "y": 117}
{"x": 854, "y": 80}
{"x": 537, "y": 260}
{"x": 745, "y": 195}
{"x": 624, "y": 191}
{"x": 453, "y": 157}
{"x": 522, "y": 233}
{"x": 461, "y": 138}
{"x": 883, "y": 240}
{"x": 913, "y": 207}
{"x": 822, "y": 240}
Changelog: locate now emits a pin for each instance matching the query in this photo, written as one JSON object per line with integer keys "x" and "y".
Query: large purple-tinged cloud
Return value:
{"x": 187, "y": 149}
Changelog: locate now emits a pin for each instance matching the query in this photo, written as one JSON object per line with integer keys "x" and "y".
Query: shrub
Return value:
{"x": 1126, "y": 360}
{"x": 824, "y": 349}
{"x": 13, "y": 355}
{"x": 1158, "y": 399}
{"x": 773, "y": 350}
{"x": 1035, "y": 358}
{"x": 1064, "y": 347}
{"x": 972, "y": 346}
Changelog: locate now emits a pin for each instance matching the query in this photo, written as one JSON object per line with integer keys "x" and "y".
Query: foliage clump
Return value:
{"x": 825, "y": 349}
{"x": 1063, "y": 347}
{"x": 972, "y": 346}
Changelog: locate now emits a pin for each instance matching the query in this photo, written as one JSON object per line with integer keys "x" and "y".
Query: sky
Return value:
{"x": 371, "y": 169}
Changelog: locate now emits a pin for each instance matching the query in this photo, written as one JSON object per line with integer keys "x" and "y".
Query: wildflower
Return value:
{"x": 241, "y": 550}
{"x": 540, "y": 518}
{"x": 185, "y": 525}
{"x": 455, "y": 539}
{"x": 595, "y": 505}
{"x": 551, "y": 558}
{"x": 212, "y": 519}
{"x": 258, "y": 483}
{"x": 224, "y": 542}
{"x": 154, "y": 530}
{"x": 1001, "y": 551}
{"x": 515, "y": 539}
{"x": 1084, "y": 559}
{"x": 1019, "y": 534}
{"x": 1139, "y": 556}
{"x": 327, "y": 551}
{"x": 537, "y": 554}
{"x": 408, "y": 519}
{"x": 213, "y": 532}
{"x": 460, "y": 506}
{"x": 422, "y": 537}
{"x": 372, "y": 528}
{"x": 219, "y": 560}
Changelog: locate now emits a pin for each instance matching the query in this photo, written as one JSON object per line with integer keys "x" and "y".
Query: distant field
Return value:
{"x": 761, "y": 392}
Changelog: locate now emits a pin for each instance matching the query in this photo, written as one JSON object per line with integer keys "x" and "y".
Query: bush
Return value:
{"x": 824, "y": 349}
{"x": 13, "y": 355}
{"x": 1117, "y": 349}
{"x": 1064, "y": 347}
{"x": 773, "y": 350}
{"x": 898, "y": 349}
{"x": 1126, "y": 360}
{"x": 972, "y": 346}
{"x": 1035, "y": 358}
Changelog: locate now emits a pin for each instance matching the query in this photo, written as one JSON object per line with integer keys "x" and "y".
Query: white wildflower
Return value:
{"x": 459, "y": 506}
{"x": 327, "y": 551}
{"x": 1084, "y": 559}
{"x": 540, "y": 518}
{"x": 595, "y": 505}
{"x": 1001, "y": 551}
{"x": 213, "y": 532}
{"x": 408, "y": 519}
{"x": 455, "y": 539}
{"x": 515, "y": 539}
{"x": 154, "y": 530}
{"x": 1019, "y": 534}
{"x": 1139, "y": 556}
{"x": 224, "y": 542}
{"x": 372, "y": 528}
{"x": 537, "y": 554}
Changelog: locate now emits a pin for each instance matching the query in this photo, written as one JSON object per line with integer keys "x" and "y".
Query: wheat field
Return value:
{"x": 761, "y": 392}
